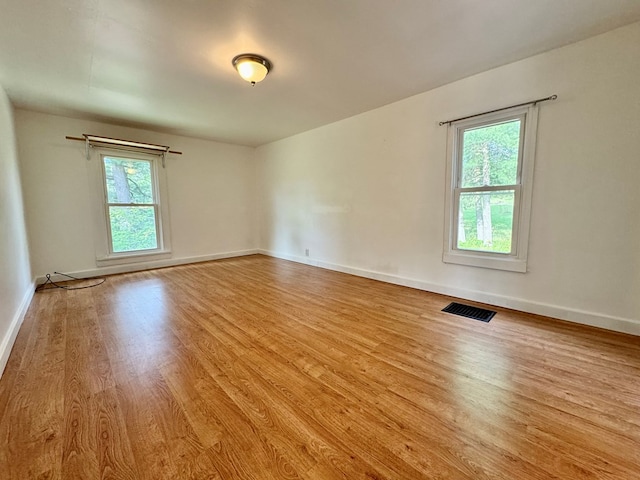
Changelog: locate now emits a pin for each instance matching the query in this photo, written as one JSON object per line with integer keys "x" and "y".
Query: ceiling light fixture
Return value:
{"x": 253, "y": 68}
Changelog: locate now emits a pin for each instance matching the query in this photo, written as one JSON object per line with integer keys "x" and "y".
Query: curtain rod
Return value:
{"x": 532, "y": 102}
{"x": 123, "y": 143}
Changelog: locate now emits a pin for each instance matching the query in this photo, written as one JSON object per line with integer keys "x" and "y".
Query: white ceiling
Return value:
{"x": 166, "y": 64}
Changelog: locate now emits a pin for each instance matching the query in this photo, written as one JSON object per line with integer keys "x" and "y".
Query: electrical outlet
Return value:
{"x": 306, "y": 252}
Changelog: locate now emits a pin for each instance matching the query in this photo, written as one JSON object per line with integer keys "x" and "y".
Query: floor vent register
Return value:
{"x": 469, "y": 311}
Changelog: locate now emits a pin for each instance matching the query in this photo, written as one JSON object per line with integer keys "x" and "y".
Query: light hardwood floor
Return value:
{"x": 258, "y": 368}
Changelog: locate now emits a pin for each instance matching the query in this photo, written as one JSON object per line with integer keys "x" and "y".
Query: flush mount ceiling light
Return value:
{"x": 253, "y": 68}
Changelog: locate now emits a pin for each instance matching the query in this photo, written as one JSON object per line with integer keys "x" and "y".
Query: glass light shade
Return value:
{"x": 251, "y": 67}
{"x": 252, "y": 71}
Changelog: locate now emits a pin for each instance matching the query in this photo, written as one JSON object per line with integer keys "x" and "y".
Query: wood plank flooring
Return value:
{"x": 259, "y": 368}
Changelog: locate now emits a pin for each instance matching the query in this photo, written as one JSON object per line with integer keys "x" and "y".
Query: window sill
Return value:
{"x": 135, "y": 257}
{"x": 474, "y": 259}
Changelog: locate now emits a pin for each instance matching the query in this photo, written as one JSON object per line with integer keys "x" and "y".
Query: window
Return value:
{"x": 489, "y": 179}
{"x": 132, "y": 210}
{"x": 132, "y": 220}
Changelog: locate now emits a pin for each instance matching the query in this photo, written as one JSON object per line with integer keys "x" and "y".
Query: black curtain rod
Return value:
{"x": 532, "y": 102}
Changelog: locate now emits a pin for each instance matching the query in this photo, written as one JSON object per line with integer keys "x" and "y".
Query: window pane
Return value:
{"x": 485, "y": 221}
{"x": 133, "y": 228}
{"x": 128, "y": 181}
{"x": 490, "y": 155}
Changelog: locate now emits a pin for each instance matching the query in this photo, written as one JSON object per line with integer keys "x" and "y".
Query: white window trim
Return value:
{"x": 101, "y": 226}
{"x": 516, "y": 261}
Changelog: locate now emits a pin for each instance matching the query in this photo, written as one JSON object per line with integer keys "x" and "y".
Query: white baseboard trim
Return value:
{"x": 617, "y": 324}
{"x": 14, "y": 327}
{"x": 137, "y": 267}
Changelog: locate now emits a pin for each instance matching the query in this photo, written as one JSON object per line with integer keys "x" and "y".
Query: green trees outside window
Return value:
{"x": 131, "y": 207}
{"x": 489, "y": 158}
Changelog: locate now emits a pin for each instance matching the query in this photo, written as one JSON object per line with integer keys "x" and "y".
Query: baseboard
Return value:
{"x": 14, "y": 327}
{"x": 137, "y": 267}
{"x": 617, "y": 324}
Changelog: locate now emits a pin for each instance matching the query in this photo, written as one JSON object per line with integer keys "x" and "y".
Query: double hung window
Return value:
{"x": 489, "y": 180}
{"x": 131, "y": 214}
{"x": 131, "y": 204}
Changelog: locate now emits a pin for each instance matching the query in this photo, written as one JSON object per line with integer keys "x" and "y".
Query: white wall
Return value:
{"x": 16, "y": 286}
{"x": 366, "y": 194}
{"x": 211, "y": 194}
